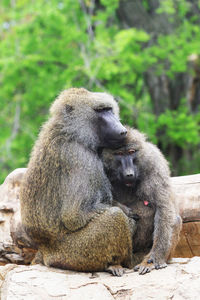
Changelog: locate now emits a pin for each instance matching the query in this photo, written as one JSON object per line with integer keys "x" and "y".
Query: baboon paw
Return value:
{"x": 160, "y": 265}
{"x": 136, "y": 268}
{"x": 144, "y": 268}
{"x": 116, "y": 270}
{"x": 133, "y": 216}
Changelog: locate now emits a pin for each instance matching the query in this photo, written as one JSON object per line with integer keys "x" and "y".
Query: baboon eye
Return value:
{"x": 119, "y": 153}
{"x": 131, "y": 151}
{"x": 68, "y": 108}
{"x": 102, "y": 109}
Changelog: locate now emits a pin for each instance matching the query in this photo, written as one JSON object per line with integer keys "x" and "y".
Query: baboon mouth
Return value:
{"x": 129, "y": 184}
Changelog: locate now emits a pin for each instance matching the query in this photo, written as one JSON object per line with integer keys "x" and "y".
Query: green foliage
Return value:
{"x": 180, "y": 127}
{"x": 172, "y": 51}
{"x": 47, "y": 46}
{"x": 171, "y": 7}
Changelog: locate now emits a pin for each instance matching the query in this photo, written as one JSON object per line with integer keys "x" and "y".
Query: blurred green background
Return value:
{"x": 145, "y": 53}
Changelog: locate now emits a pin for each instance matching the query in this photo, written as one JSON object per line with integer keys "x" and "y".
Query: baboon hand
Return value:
{"x": 133, "y": 216}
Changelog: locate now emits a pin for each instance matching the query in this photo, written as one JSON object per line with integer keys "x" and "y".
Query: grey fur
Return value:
{"x": 66, "y": 197}
{"x": 159, "y": 224}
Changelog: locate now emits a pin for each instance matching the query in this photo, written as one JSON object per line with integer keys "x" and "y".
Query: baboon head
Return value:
{"x": 122, "y": 165}
{"x": 89, "y": 118}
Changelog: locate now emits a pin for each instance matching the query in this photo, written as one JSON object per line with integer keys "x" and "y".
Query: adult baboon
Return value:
{"x": 66, "y": 197}
{"x": 140, "y": 179}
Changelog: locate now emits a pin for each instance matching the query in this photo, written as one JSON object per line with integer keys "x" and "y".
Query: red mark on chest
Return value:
{"x": 146, "y": 203}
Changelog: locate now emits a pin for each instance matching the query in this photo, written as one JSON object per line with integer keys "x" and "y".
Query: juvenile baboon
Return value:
{"x": 140, "y": 179}
{"x": 66, "y": 197}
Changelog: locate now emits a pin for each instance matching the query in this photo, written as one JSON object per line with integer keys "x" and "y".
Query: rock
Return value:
{"x": 10, "y": 219}
{"x": 180, "y": 280}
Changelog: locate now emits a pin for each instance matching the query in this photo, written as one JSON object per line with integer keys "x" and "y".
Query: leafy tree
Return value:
{"x": 47, "y": 46}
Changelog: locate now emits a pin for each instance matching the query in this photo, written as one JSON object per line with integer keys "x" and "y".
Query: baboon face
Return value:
{"x": 126, "y": 166}
{"x": 121, "y": 166}
{"x": 90, "y": 118}
{"x": 111, "y": 132}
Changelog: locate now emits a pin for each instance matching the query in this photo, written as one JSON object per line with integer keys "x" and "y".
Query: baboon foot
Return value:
{"x": 158, "y": 264}
{"x": 144, "y": 268}
{"x": 116, "y": 270}
{"x": 147, "y": 265}
{"x": 38, "y": 259}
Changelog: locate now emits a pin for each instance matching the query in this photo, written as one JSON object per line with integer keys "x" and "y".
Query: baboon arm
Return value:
{"x": 79, "y": 209}
{"x": 74, "y": 219}
{"x": 82, "y": 187}
{"x": 162, "y": 236}
{"x": 162, "y": 241}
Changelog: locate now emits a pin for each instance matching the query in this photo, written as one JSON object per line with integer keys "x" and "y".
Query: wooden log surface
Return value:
{"x": 187, "y": 193}
{"x": 189, "y": 243}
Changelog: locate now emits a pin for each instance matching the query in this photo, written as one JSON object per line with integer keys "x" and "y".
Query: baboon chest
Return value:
{"x": 143, "y": 237}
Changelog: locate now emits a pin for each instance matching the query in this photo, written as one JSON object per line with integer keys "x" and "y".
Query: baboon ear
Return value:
{"x": 68, "y": 108}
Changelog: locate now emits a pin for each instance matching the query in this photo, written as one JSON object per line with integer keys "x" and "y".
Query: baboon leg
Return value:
{"x": 106, "y": 241}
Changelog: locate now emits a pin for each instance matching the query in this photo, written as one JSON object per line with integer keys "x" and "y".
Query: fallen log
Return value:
{"x": 186, "y": 189}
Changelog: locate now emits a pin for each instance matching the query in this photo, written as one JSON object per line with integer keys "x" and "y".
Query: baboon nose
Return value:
{"x": 123, "y": 132}
{"x": 129, "y": 175}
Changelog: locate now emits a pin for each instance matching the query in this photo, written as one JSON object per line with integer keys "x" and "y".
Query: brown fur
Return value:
{"x": 66, "y": 197}
{"x": 159, "y": 225}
